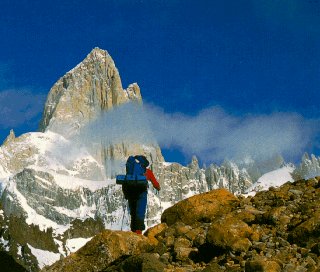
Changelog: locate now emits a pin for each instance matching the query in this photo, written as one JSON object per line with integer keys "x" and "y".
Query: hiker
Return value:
{"x": 135, "y": 189}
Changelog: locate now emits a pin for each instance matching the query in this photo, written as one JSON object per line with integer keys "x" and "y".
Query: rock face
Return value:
{"x": 83, "y": 93}
{"x": 276, "y": 230}
{"x": 309, "y": 167}
{"x": 229, "y": 176}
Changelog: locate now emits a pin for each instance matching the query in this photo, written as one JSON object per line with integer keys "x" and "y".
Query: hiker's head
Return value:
{"x": 142, "y": 160}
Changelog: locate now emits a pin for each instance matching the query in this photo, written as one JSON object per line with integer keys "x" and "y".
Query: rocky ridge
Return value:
{"x": 276, "y": 230}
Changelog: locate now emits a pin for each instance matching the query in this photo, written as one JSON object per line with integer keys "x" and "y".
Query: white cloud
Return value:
{"x": 212, "y": 135}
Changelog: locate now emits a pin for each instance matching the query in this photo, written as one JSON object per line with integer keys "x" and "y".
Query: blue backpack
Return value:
{"x": 135, "y": 168}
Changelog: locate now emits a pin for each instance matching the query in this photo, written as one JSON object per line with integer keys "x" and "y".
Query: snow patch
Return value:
{"x": 73, "y": 183}
{"x": 81, "y": 212}
{"x": 5, "y": 244}
{"x": 73, "y": 245}
{"x": 44, "y": 257}
{"x": 60, "y": 247}
{"x": 271, "y": 179}
{"x": 19, "y": 251}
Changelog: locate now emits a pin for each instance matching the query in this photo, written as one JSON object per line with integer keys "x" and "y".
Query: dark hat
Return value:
{"x": 142, "y": 160}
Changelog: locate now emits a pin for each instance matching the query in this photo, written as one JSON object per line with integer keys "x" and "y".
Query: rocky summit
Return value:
{"x": 275, "y": 230}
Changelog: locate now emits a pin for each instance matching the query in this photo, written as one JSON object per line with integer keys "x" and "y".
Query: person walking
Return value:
{"x": 136, "y": 191}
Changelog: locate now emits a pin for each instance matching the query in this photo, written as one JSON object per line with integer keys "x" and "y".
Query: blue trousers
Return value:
{"x": 137, "y": 207}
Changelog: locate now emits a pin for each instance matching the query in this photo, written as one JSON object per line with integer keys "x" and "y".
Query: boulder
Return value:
{"x": 230, "y": 233}
{"x": 152, "y": 232}
{"x": 146, "y": 262}
{"x": 101, "y": 251}
{"x": 262, "y": 265}
{"x": 200, "y": 208}
{"x": 307, "y": 229}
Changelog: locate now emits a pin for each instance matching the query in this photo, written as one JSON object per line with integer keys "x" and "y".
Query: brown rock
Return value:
{"x": 200, "y": 208}
{"x": 145, "y": 262}
{"x": 181, "y": 229}
{"x": 182, "y": 248}
{"x": 230, "y": 233}
{"x": 152, "y": 232}
{"x": 193, "y": 234}
{"x": 262, "y": 265}
{"x": 101, "y": 251}
{"x": 213, "y": 267}
{"x": 308, "y": 228}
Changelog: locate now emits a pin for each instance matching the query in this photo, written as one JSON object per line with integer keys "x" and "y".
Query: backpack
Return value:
{"x": 134, "y": 182}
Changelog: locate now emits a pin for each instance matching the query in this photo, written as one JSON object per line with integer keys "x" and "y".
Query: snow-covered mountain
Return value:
{"x": 309, "y": 167}
{"x": 275, "y": 178}
{"x": 57, "y": 186}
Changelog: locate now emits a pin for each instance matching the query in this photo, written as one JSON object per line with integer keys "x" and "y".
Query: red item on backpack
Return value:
{"x": 150, "y": 176}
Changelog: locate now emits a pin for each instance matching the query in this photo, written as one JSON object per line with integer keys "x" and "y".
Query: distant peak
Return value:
{"x": 11, "y": 137}
{"x": 97, "y": 53}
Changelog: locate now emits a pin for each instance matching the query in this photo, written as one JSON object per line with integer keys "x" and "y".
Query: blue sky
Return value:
{"x": 251, "y": 59}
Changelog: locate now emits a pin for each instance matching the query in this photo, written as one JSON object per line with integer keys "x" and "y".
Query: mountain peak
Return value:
{"x": 97, "y": 55}
{"x": 93, "y": 86}
{"x": 98, "y": 52}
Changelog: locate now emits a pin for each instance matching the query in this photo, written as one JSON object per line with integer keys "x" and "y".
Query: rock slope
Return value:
{"x": 276, "y": 230}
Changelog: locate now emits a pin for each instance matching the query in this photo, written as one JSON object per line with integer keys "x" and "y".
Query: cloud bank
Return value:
{"x": 213, "y": 135}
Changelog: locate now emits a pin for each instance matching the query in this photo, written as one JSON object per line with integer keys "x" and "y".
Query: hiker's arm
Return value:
{"x": 151, "y": 177}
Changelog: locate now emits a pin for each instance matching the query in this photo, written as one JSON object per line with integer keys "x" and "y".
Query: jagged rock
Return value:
{"x": 91, "y": 87}
{"x": 10, "y": 138}
{"x": 201, "y": 208}
{"x": 309, "y": 167}
{"x": 152, "y": 232}
{"x": 101, "y": 251}
{"x": 228, "y": 176}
